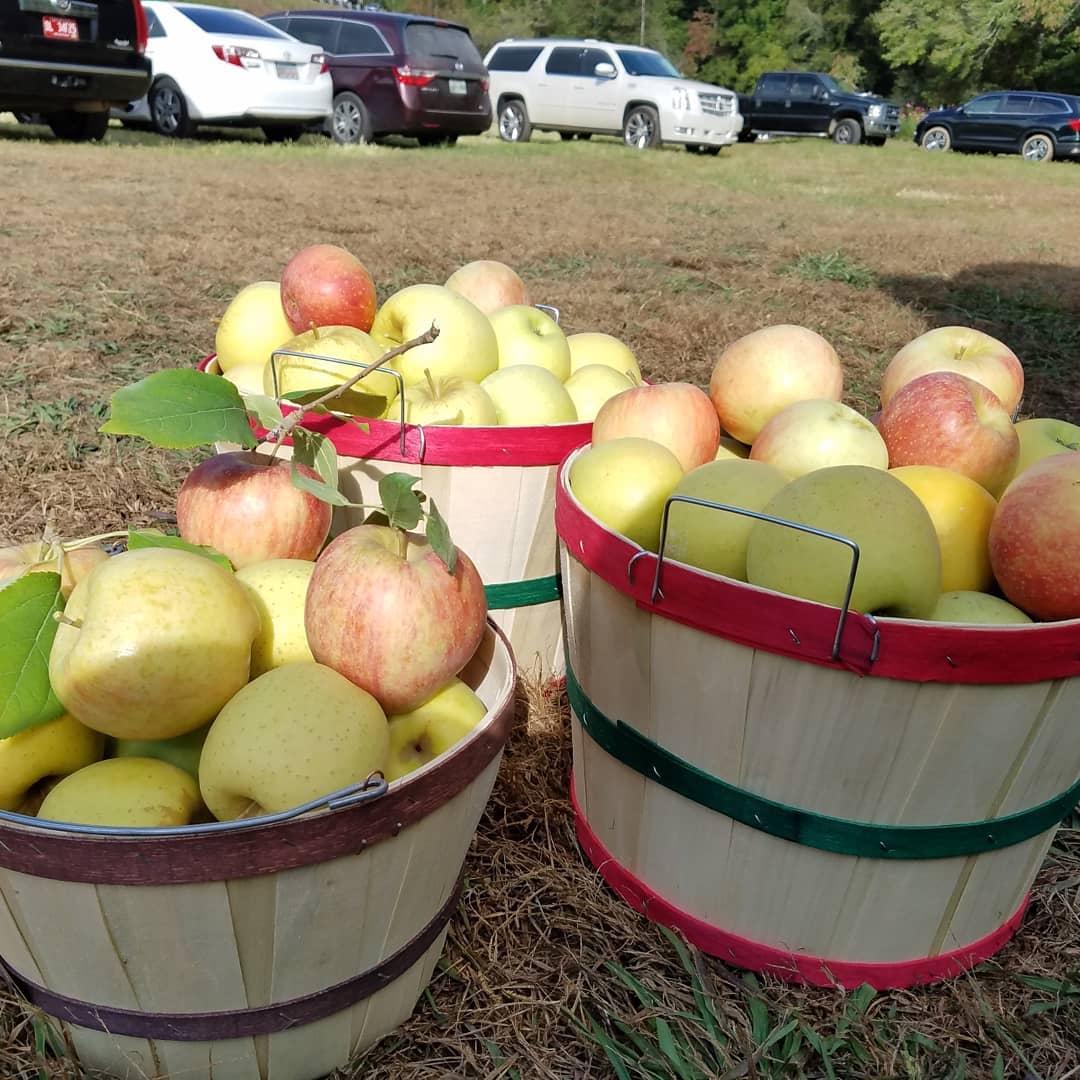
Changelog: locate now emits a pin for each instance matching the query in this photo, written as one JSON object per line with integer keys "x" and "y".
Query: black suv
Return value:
{"x": 70, "y": 61}
{"x": 396, "y": 74}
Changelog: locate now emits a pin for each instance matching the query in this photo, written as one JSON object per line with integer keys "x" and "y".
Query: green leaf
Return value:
{"x": 179, "y": 409}
{"x": 401, "y": 503}
{"x": 27, "y": 629}
{"x": 317, "y": 452}
{"x": 352, "y": 401}
{"x": 264, "y": 409}
{"x": 147, "y": 538}
{"x": 862, "y": 997}
{"x": 319, "y": 488}
{"x": 438, "y": 535}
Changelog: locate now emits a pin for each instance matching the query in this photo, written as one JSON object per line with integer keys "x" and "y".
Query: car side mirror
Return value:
{"x": 604, "y": 70}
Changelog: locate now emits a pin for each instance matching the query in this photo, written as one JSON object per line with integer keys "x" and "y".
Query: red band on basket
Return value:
{"x": 760, "y": 618}
{"x": 789, "y": 966}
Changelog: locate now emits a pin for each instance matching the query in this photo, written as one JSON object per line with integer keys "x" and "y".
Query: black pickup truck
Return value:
{"x": 809, "y": 103}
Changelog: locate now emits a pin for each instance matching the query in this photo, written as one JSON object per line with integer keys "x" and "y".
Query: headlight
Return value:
{"x": 680, "y": 99}
{"x": 874, "y": 111}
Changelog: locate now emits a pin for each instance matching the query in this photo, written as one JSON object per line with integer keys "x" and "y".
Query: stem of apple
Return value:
{"x": 402, "y": 542}
{"x": 431, "y": 383}
{"x": 59, "y": 616}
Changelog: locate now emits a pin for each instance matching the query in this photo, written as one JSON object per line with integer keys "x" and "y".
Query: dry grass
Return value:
{"x": 123, "y": 268}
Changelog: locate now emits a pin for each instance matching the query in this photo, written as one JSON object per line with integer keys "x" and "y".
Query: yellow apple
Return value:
{"x": 451, "y": 400}
{"x": 976, "y": 607}
{"x": 152, "y": 644}
{"x": 1042, "y": 437}
{"x": 252, "y": 326}
{"x": 248, "y": 378}
{"x": 527, "y": 335}
{"x": 731, "y": 448}
{"x": 961, "y": 511}
{"x": 593, "y": 347}
{"x": 590, "y": 386}
{"x": 72, "y": 564}
{"x": 183, "y": 751}
{"x": 133, "y": 792}
{"x": 526, "y": 395}
{"x": 52, "y": 749}
{"x": 278, "y": 589}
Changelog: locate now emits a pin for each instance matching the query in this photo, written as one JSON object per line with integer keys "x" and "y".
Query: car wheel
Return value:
{"x": 276, "y": 133}
{"x": 75, "y": 126}
{"x": 936, "y": 138}
{"x": 350, "y": 124}
{"x": 566, "y": 136}
{"x": 641, "y": 130}
{"x": 584, "y": 136}
{"x": 514, "y": 123}
{"x": 168, "y": 110}
{"x": 1038, "y": 147}
{"x": 847, "y": 133}
{"x": 697, "y": 148}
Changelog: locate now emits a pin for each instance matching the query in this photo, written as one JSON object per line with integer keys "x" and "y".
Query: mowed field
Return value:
{"x": 115, "y": 261}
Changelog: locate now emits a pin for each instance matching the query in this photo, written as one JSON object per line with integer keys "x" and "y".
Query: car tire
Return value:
{"x": 697, "y": 148}
{"x": 279, "y": 133}
{"x": 350, "y": 124}
{"x": 641, "y": 128}
{"x": 514, "y": 123}
{"x": 847, "y": 132}
{"x": 584, "y": 136}
{"x": 936, "y": 138}
{"x": 72, "y": 126}
{"x": 1038, "y": 147}
{"x": 169, "y": 114}
{"x": 566, "y": 136}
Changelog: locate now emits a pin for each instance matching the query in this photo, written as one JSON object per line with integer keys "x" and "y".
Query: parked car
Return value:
{"x": 1038, "y": 126}
{"x": 69, "y": 61}
{"x": 396, "y": 74}
{"x": 222, "y": 66}
{"x": 581, "y": 87}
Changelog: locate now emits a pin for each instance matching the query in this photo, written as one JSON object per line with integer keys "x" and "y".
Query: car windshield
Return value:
{"x": 645, "y": 62}
{"x": 836, "y": 87}
{"x": 222, "y": 21}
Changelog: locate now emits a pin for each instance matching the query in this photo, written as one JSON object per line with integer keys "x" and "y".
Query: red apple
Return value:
{"x": 325, "y": 285}
{"x": 383, "y": 610}
{"x": 950, "y": 420}
{"x": 246, "y": 506}
{"x": 675, "y": 414}
{"x": 1035, "y": 538}
{"x": 489, "y": 284}
{"x": 961, "y": 349}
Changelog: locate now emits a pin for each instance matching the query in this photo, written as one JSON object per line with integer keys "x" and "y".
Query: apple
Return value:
{"x": 961, "y": 511}
{"x": 489, "y": 284}
{"x": 183, "y": 751}
{"x": 245, "y": 505}
{"x": 43, "y": 752}
{"x": 466, "y": 345}
{"x": 1035, "y": 537}
{"x": 448, "y": 399}
{"x": 252, "y": 326}
{"x": 767, "y": 370}
{"x": 71, "y": 563}
{"x": 624, "y": 483}
{"x": 592, "y": 347}
{"x": 963, "y": 606}
{"x": 590, "y": 386}
{"x": 527, "y": 335}
{"x": 247, "y": 378}
{"x": 899, "y": 570}
{"x": 384, "y": 610}
{"x": 676, "y": 414}
{"x": 1042, "y": 436}
{"x": 963, "y": 350}
{"x": 129, "y": 792}
{"x": 152, "y": 644}
{"x": 950, "y": 420}
{"x": 290, "y": 736}
{"x": 715, "y": 540}
{"x": 731, "y": 448}
{"x": 529, "y": 396}
{"x": 812, "y": 434}
{"x": 325, "y": 285}
{"x": 432, "y": 728}
{"x": 278, "y": 589}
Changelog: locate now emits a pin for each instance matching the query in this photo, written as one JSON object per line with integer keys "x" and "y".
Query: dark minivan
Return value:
{"x": 396, "y": 74}
{"x": 70, "y": 61}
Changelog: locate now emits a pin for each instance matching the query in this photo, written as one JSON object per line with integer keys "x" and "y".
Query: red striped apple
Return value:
{"x": 325, "y": 285}
{"x": 489, "y": 284}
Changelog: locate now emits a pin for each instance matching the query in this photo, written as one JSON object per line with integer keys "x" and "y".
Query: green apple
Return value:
{"x": 527, "y": 335}
{"x": 278, "y": 589}
{"x": 593, "y": 347}
{"x": 423, "y": 733}
{"x": 134, "y": 792}
{"x": 963, "y": 606}
{"x": 53, "y": 749}
{"x": 590, "y": 386}
{"x": 1042, "y": 437}
{"x": 252, "y": 326}
{"x": 182, "y": 751}
{"x": 291, "y": 735}
{"x": 526, "y": 395}
{"x": 899, "y": 570}
{"x": 625, "y": 483}
{"x": 466, "y": 345}
{"x": 152, "y": 643}
{"x": 448, "y": 399}
{"x": 715, "y": 540}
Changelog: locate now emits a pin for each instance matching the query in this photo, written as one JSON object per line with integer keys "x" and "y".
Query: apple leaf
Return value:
{"x": 179, "y": 409}
{"x": 399, "y": 501}
{"x": 27, "y": 629}
{"x": 316, "y": 451}
{"x": 147, "y": 538}
{"x": 319, "y": 488}
{"x": 438, "y": 535}
{"x": 264, "y": 409}
{"x": 352, "y": 402}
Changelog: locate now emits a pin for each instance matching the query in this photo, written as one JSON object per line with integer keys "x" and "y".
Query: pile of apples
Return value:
{"x": 497, "y": 360}
{"x": 960, "y": 514}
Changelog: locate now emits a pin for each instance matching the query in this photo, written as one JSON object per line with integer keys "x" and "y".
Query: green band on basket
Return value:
{"x": 541, "y": 590}
{"x": 806, "y": 827}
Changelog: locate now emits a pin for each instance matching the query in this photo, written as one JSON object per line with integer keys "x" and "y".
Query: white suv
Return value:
{"x": 581, "y": 87}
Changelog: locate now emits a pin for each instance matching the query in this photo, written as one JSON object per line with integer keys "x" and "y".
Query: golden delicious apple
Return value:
{"x": 152, "y": 644}
{"x": 590, "y": 386}
{"x": 527, "y": 335}
{"x": 526, "y": 395}
{"x": 593, "y": 347}
{"x": 52, "y": 749}
{"x": 289, "y": 736}
{"x": 252, "y": 326}
{"x": 976, "y": 607}
{"x": 131, "y": 792}
{"x": 183, "y": 751}
{"x": 1042, "y": 437}
{"x": 451, "y": 400}
{"x": 423, "y": 733}
{"x": 899, "y": 569}
{"x": 278, "y": 589}
{"x": 247, "y": 378}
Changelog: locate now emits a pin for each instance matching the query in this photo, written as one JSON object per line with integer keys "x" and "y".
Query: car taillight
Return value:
{"x": 484, "y": 84}
{"x": 408, "y": 76}
{"x": 320, "y": 59}
{"x": 238, "y": 55}
{"x": 1075, "y": 125}
{"x": 142, "y": 27}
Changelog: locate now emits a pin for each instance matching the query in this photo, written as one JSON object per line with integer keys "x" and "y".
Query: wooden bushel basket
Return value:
{"x": 833, "y": 800}
{"x": 273, "y": 949}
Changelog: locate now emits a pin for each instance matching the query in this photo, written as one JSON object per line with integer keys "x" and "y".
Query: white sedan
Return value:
{"x": 221, "y": 66}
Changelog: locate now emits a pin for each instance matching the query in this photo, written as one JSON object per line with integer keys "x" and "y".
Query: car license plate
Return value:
{"x": 287, "y": 71}
{"x": 64, "y": 29}
{"x": 457, "y": 86}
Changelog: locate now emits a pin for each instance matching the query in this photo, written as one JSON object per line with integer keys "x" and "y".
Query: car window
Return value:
{"x": 358, "y": 38}
{"x": 221, "y": 21}
{"x": 1017, "y": 103}
{"x": 320, "y": 32}
{"x": 590, "y": 58}
{"x": 804, "y": 87}
{"x": 513, "y": 57}
{"x": 983, "y": 106}
{"x": 430, "y": 39}
{"x": 153, "y": 25}
{"x": 1044, "y": 105}
{"x": 646, "y": 62}
{"x": 563, "y": 61}
{"x": 773, "y": 86}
